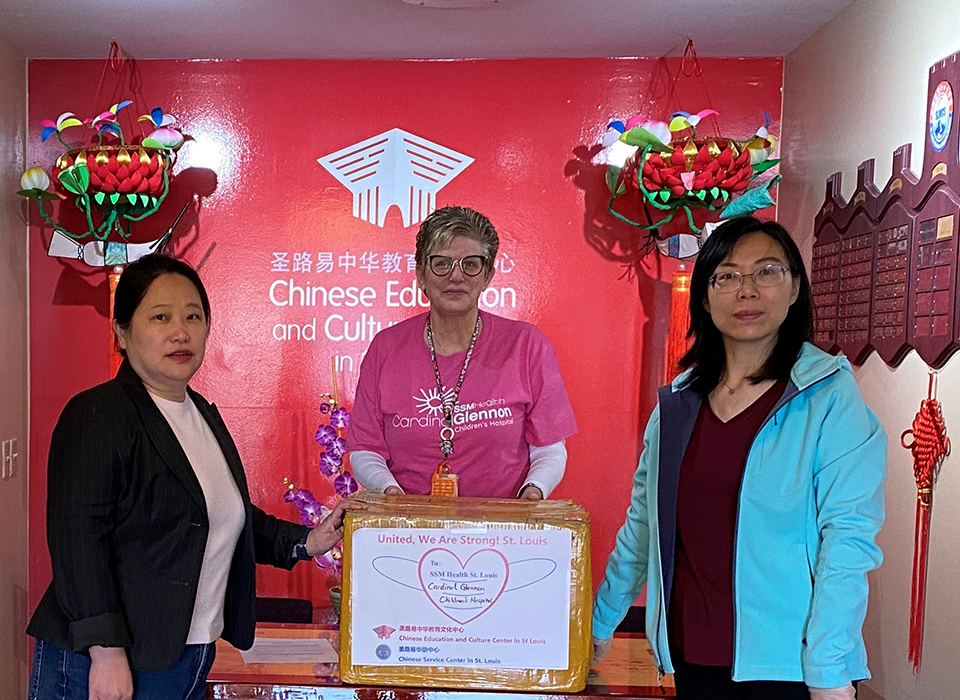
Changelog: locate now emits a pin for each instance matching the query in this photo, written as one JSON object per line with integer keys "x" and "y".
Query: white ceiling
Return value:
{"x": 393, "y": 29}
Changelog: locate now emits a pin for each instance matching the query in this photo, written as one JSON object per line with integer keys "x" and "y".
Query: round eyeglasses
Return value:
{"x": 767, "y": 276}
{"x": 471, "y": 265}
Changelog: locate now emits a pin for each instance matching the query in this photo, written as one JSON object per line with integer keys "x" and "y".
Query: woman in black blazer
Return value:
{"x": 153, "y": 544}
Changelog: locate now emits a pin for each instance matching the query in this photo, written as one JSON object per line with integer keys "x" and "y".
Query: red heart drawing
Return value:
{"x": 458, "y": 589}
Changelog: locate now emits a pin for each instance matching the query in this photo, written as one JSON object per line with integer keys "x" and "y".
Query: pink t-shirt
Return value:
{"x": 512, "y": 397}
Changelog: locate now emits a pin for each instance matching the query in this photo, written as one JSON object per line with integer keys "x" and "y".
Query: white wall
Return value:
{"x": 14, "y": 664}
{"x": 857, "y": 89}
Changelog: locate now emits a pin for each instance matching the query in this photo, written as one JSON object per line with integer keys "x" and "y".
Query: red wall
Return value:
{"x": 529, "y": 125}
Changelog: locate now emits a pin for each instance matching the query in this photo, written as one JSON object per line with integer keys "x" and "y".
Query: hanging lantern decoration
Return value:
{"x": 682, "y": 179}
{"x": 929, "y": 446}
{"x": 114, "y": 182}
{"x": 685, "y": 185}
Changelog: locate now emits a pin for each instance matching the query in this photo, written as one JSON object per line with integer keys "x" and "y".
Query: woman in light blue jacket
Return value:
{"x": 758, "y": 496}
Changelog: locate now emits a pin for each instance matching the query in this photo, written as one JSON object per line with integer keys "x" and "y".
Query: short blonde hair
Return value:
{"x": 445, "y": 224}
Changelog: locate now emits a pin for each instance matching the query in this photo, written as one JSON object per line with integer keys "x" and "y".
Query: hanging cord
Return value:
{"x": 127, "y": 84}
{"x": 690, "y": 67}
{"x": 929, "y": 447}
{"x": 116, "y": 58}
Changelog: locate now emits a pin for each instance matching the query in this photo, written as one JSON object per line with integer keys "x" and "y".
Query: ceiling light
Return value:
{"x": 449, "y": 4}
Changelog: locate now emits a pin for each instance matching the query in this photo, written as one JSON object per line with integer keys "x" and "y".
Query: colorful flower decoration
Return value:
{"x": 106, "y": 122}
{"x": 672, "y": 169}
{"x": 65, "y": 120}
{"x": 163, "y": 136}
{"x": 34, "y": 183}
{"x": 115, "y": 185}
{"x": 329, "y": 436}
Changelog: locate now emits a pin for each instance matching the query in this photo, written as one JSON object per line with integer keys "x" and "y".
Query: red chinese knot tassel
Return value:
{"x": 677, "y": 343}
{"x": 115, "y": 357}
{"x": 929, "y": 447}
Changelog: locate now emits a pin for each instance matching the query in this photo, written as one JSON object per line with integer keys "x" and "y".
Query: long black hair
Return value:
{"x": 706, "y": 359}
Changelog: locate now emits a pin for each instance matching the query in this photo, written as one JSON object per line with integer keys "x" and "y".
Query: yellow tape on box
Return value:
{"x": 466, "y": 593}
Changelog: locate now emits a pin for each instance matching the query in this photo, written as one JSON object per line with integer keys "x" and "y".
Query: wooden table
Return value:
{"x": 628, "y": 672}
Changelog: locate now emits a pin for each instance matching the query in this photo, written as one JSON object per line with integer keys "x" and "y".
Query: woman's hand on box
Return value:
{"x": 531, "y": 493}
{"x": 325, "y": 535}
{"x": 601, "y": 647}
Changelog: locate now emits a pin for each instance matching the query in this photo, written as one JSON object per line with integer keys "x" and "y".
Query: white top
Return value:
{"x": 547, "y": 465}
{"x": 225, "y": 514}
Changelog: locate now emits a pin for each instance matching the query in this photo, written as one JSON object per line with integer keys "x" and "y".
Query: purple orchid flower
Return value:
{"x": 337, "y": 447}
{"x": 330, "y": 464}
{"x": 312, "y": 513}
{"x": 340, "y": 418}
{"x": 345, "y": 484}
{"x": 298, "y": 497}
{"x": 332, "y": 559}
{"x": 325, "y": 435}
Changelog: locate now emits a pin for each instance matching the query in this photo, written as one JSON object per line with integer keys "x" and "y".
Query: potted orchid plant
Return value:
{"x": 330, "y": 437}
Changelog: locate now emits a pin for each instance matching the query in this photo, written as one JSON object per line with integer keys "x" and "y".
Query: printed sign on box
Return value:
{"x": 462, "y": 598}
{"x": 466, "y": 593}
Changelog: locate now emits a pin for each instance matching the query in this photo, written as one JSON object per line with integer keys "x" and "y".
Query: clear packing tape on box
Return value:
{"x": 466, "y": 593}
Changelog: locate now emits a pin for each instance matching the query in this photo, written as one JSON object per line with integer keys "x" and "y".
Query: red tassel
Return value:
{"x": 677, "y": 343}
{"x": 918, "y": 591}
{"x": 929, "y": 447}
{"x": 115, "y": 357}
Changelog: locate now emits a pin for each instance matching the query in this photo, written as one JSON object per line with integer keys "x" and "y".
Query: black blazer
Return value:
{"x": 127, "y": 526}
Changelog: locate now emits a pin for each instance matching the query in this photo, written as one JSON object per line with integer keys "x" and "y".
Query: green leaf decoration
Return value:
{"x": 132, "y": 198}
{"x": 715, "y": 192}
{"x": 641, "y": 138}
{"x": 153, "y": 143}
{"x": 664, "y": 195}
{"x": 765, "y": 165}
{"x": 747, "y": 203}
{"x": 144, "y": 200}
{"x": 701, "y": 195}
{"x": 613, "y": 175}
{"x": 726, "y": 195}
{"x": 42, "y": 194}
{"x": 99, "y": 197}
{"x": 114, "y": 198}
{"x": 76, "y": 178}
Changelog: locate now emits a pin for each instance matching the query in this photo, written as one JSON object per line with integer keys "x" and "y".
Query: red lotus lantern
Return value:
{"x": 110, "y": 182}
{"x": 672, "y": 169}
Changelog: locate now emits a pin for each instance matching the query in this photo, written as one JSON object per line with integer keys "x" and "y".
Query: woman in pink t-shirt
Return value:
{"x": 481, "y": 390}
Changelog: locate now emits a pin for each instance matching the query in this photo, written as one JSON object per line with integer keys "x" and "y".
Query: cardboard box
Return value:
{"x": 466, "y": 593}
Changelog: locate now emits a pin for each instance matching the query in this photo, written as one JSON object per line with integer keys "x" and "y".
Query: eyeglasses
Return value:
{"x": 767, "y": 276}
{"x": 471, "y": 265}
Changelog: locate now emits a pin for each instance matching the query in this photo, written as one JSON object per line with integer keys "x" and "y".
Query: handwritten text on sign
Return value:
{"x": 477, "y": 597}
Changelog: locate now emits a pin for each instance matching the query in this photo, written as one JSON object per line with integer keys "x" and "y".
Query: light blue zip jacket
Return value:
{"x": 811, "y": 505}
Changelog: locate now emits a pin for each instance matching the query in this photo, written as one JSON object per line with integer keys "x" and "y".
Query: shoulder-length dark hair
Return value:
{"x": 706, "y": 358}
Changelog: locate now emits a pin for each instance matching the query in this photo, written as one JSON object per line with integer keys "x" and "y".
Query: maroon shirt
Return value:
{"x": 700, "y": 618}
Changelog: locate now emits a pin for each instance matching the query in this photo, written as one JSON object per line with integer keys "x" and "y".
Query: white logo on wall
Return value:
{"x": 394, "y": 168}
